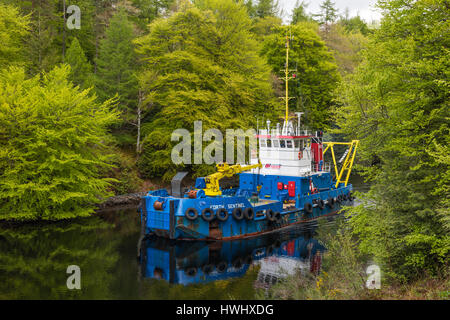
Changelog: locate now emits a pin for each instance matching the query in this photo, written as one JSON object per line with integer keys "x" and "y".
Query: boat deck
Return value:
{"x": 286, "y": 206}
{"x": 262, "y": 202}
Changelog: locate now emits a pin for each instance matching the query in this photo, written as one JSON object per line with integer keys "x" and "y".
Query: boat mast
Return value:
{"x": 286, "y": 73}
{"x": 286, "y": 79}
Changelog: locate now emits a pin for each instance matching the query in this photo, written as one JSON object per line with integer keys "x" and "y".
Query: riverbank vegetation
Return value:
{"x": 86, "y": 113}
{"x": 344, "y": 274}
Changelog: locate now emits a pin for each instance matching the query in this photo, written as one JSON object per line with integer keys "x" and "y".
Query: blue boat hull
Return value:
{"x": 170, "y": 220}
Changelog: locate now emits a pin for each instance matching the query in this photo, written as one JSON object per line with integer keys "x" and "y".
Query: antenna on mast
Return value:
{"x": 286, "y": 79}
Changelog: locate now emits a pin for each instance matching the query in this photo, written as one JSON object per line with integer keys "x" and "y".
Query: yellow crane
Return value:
{"x": 348, "y": 157}
{"x": 224, "y": 170}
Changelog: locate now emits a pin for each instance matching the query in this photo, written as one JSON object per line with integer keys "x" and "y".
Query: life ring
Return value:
{"x": 208, "y": 217}
{"x": 300, "y": 155}
{"x": 238, "y": 214}
{"x": 188, "y": 215}
{"x": 270, "y": 215}
{"x": 249, "y": 213}
{"x": 222, "y": 214}
{"x": 308, "y": 207}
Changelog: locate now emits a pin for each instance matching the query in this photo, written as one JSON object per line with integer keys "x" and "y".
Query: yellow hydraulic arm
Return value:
{"x": 224, "y": 170}
{"x": 346, "y": 169}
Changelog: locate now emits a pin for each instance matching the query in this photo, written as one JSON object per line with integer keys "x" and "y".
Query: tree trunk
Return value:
{"x": 138, "y": 142}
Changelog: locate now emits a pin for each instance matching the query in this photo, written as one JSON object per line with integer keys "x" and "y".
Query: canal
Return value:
{"x": 34, "y": 259}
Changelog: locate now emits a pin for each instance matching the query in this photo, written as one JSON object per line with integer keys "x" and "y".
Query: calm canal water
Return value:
{"x": 34, "y": 260}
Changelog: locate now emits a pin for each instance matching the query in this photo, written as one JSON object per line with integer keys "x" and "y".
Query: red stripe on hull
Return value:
{"x": 255, "y": 234}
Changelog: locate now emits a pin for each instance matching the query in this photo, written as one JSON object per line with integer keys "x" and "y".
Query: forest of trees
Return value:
{"x": 86, "y": 113}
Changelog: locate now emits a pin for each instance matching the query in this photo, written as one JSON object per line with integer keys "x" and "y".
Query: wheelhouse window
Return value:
{"x": 296, "y": 143}
{"x": 282, "y": 143}
{"x": 262, "y": 143}
{"x": 269, "y": 143}
{"x": 289, "y": 144}
{"x": 276, "y": 144}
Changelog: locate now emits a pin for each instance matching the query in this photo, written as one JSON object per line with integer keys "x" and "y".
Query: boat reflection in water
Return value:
{"x": 278, "y": 255}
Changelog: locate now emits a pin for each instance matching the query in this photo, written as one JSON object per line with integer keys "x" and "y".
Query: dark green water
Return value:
{"x": 34, "y": 260}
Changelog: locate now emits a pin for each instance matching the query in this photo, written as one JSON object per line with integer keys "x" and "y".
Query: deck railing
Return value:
{"x": 318, "y": 167}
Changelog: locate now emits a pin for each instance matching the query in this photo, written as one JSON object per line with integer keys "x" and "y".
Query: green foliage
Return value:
{"x": 441, "y": 154}
{"x": 86, "y": 35}
{"x": 251, "y": 10}
{"x": 201, "y": 64}
{"x": 299, "y": 13}
{"x": 266, "y": 8}
{"x": 317, "y": 75}
{"x": 80, "y": 69}
{"x": 14, "y": 29}
{"x": 355, "y": 24}
{"x": 328, "y": 12}
{"x": 397, "y": 104}
{"x": 149, "y": 10}
{"x": 263, "y": 27}
{"x": 116, "y": 65}
{"x": 125, "y": 173}
{"x": 43, "y": 47}
{"x": 346, "y": 47}
{"x": 52, "y": 147}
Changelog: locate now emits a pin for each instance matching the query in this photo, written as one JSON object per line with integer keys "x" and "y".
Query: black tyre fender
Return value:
{"x": 207, "y": 268}
{"x": 191, "y": 272}
{"x": 249, "y": 213}
{"x": 221, "y": 266}
{"x": 320, "y": 204}
{"x": 237, "y": 263}
{"x": 330, "y": 202}
{"x": 308, "y": 207}
{"x": 222, "y": 214}
{"x": 205, "y": 214}
{"x": 277, "y": 243}
{"x": 277, "y": 217}
{"x": 270, "y": 215}
{"x": 238, "y": 214}
{"x": 188, "y": 215}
